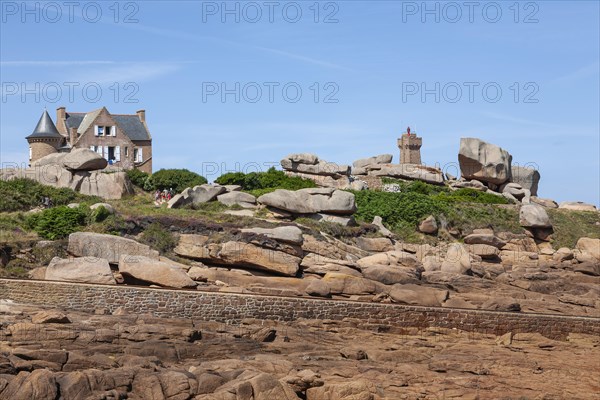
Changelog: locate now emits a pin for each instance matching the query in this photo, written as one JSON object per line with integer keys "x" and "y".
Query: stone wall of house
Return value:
{"x": 233, "y": 308}
{"x": 42, "y": 148}
{"x": 146, "y": 146}
{"x": 126, "y": 146}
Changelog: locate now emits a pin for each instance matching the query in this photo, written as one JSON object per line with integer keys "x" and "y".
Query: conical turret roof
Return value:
{"x": 45, "y": 128}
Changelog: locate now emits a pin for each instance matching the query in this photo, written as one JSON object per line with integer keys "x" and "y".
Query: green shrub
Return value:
{"x": 463, "y": 209}
{"x": 467, "y": 195}
{"x": 396, "y": 209}
{"x": 139, "y": 178}
{"x": 58, "y": 222}
{"x": 25, "y": 194}
{"x": 271, "y": 179}
{"x": 176, "y": 179}
{"x": 159, "y": 238}
{"x": 99, "y": 214}
{"x": 231, "y": 178}
{"x": 415, "y": 186}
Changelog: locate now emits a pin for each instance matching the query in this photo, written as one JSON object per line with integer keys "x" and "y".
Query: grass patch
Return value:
{"x": 16, "y": 268}
{"x": 158, "y": 238}
{"x": 337, "y": 230}
{"x": 467, "y": 217}
{"x": 13, "y": 227}
{"x": 569, "y": 226}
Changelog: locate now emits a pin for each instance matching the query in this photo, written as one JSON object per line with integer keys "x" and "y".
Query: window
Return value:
{"x": 126, "y": 151}
{"x": 97, "y": 149}
{"x": 30, "y": 153}
{"x": 105, "y": 130}
{"x": 138, "y": 155}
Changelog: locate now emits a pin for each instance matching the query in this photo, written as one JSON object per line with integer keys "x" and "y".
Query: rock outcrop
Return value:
{"x": 516, "y": 193}
{"x": 577, "y": 206}
{"x": 359, "y": 166}
{"x": 81, "y": 170}
{"x": 323, "y": 173}
{"x": 196, "y": 195}
{"x": 484, "y": 161}
{"x": 528, "y": 178}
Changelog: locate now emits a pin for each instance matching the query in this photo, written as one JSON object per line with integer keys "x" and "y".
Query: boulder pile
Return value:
{"x": 498, "y": 270}
{"x": 81, "y": 170}
{"x": 323, "y": 173}
{"x": 488, "y": 168}
{"x": 226, "y": 194}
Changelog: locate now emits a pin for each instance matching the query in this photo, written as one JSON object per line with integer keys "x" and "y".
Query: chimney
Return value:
{"x": 61, "y": 113}
{"x": 72, "y": 136}
{"x": 141, "y": 115}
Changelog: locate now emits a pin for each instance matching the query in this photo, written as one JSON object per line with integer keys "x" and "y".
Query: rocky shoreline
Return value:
{"x": 49, "y": 354}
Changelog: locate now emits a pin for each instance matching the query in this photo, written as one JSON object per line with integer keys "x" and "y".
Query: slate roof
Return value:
{"x": 45, "y": 128}
{"x": 130, "y": 124}
{"x": 88, "y": 120}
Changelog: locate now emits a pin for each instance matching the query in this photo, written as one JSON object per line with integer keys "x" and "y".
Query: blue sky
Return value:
{"x": 362, "y": 68}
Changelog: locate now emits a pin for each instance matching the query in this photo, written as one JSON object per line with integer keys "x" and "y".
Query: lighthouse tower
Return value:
{"x": 44, "y": 140}
{"x": 410, "y": 147}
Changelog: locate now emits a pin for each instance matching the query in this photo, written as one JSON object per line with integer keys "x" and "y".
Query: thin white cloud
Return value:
{"x": 175, "y": 34}
{"x": 130, "y": 72}
{"x": 516, "y": 120}
{"x": 302, "y": 58}
{"x": 585, "y": 72}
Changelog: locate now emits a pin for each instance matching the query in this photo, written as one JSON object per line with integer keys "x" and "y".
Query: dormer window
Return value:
{"x": 105, "y": 130}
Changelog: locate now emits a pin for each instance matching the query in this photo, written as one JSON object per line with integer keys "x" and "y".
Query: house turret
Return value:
{"x": 45, "y": 138}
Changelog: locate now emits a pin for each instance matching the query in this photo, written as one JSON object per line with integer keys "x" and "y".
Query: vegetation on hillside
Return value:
{"x": 258, "y": 183}
{"x": 463, "y": 209}
{"x": 25, "y": 194}
{"x": 58, "y": 222}
{"x": 571, "y": 225}
{"x": 176, "y": 179}
{"x": 159, "y": 238}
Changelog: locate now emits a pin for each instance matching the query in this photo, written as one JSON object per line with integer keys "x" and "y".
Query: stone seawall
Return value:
{"x": 233, "y": 308}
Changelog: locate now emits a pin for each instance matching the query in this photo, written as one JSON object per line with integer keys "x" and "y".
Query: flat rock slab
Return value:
{"x": 286, "y": 234}
{"x": 162, "y": 273}
{"x": 84, "y": 270}
{"x": 108, "y": 247}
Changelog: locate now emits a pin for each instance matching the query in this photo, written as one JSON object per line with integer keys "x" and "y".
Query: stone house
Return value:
{"x": 124, "y": 140}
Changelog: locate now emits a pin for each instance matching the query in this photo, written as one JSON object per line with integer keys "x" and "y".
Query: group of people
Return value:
{"x": 163, "y": 196}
